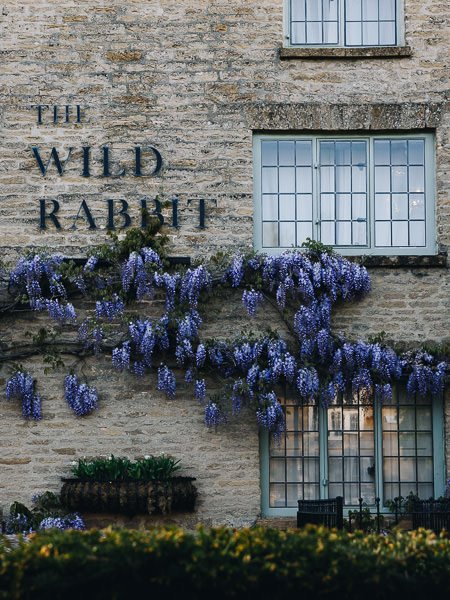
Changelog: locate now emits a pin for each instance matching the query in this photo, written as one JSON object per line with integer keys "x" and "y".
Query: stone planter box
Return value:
{"x": 130, "y": 497}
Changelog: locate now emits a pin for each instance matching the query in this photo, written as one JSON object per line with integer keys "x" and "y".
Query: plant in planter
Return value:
{"x": 47, "y": 512}
{"x": 119, "y": 485}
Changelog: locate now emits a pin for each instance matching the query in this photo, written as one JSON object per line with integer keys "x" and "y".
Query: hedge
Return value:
{"x": 224, "y": 563}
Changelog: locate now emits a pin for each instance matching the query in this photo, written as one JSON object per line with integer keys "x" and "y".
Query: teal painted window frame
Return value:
{"x": 438, "y": 460}
{"x": 370, "y": 248}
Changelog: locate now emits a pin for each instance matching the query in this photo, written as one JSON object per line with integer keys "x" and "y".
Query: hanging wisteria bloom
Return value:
{"x": 90, "y": 264}
{"x": 251, "y": 299}
{"x": 200, "y": 390}
{"x": 270, "y": 415}
{"x": 81, "y": 398}
{"x": 166, "y": 381}
{"x": 214, "y": 415}
{"x": 21, "y": 386}
{"x": 121, "y": 357}
{"x": 235, "y": 272}
{"x": 63, "y": 523}
{"x": 109, "y": 309}
{"x": 57, "y": 310}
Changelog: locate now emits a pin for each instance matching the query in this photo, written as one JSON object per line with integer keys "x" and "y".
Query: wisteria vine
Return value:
{"x": 317, "y": 367}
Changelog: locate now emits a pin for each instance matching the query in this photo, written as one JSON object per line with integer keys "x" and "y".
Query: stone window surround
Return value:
{"x": 374, "y": 52}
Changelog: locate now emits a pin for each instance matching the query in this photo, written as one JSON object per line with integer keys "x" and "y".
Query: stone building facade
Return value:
{"x": 197, "y": 87}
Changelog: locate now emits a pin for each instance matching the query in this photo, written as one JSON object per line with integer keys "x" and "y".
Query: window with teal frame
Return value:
{"x": 356, "y": 450}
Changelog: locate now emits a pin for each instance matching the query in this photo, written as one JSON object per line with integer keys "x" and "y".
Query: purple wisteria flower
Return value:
{"x": 121, "y": 357}
{"x": 109, "y": 309}
{"x": 166, "y": 381}
{"x": 251, "y": 299}
{"x": 21, "y": 386}
{"x": 214, "y": 415}
{"x": 200, "y": 390}
{"x": 270, "y": 415}
{"x": 81, "y": 398}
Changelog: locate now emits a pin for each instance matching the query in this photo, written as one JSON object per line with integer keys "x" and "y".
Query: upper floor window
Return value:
{"x": 344, "y": 22}
{"x": 359, "y": 194}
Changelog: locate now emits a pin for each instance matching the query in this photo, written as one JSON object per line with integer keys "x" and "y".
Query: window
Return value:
{"x": 355, "y": 450}
{"x": 360, "y": 194}
{"x": 344, "y": 23}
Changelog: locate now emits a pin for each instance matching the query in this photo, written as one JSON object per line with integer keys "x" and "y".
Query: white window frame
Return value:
{"x": 369, "y": 249}
{"x": 400, "y": 29}
{"x": 438, "y": 460}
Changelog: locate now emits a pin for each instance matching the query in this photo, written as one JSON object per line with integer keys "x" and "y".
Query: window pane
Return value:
{"x": 335, "y": 469}
{"x": 370, "y": 10}
{"x": 310, "y": 492}
{"x": 425, "y": 491}
{"x": 298, "y": 10}
{"x": 327, "y": 179}
{"x": 286, "y": 153}
{"x": 298, "y": 33}
{"x": 382, "y": 152}
{"x": 370, "y": 33}
{"x": 303, "y": 153}
{"x": 343, "y": 233}
{"x": 327, "y": 206}
{"x": 287, "y": 234}
{"x": 389, "y": 416}
{"x": 424, "y": 444}
{"x": 416, "y": 179}
{"x": 277, "y": 470}
{"x": 343, "y": 179}
{"x": 343, "y": 153}
{"x": 400, "y": 233}
{"x": 314, "y": 10}
{"x": 382, "y": 207}
{"x": 399, "y": 179}
{"x": 382, "y": 179}
{"x": 326, "y": 153}
{"x": 424, "y": 419}
{"x": 399, "y": 206}
{"x": 351, "y": 469}
{"x": 311, "y": 444}
{"x": 425, "y": 469}
{"x": 311, "y": 469}
{"x": 269, "y": 153}
{"x": 270, "y": 235}
{"x": 330, "y": 10}
{"x": 406, "y": 418}
{"x": 351, "y": 444}
{"x": 304, "y": 207}
{"x": 417, "y": 206}
{"x": 407, "y": 469}
{"x": 287, "y": 208}
{"x": 269, "y": 207}
{"x": 399, "y": 154}
{"x": 294, "y": 493}
{"x": 294, "y": 445}
{"x": 407, "y": 443}
{"x": 390, "y": 469}
{"x": 359, "y": 206}
{"x": 358, "y": 179}
{"x": 335, "y": 489}
{"x": 327, "y": 235}
{"x": 330, "y": 32}
{"x": 387, "y": 10}
{"x": 367, "y": 469}
{"x": 351, "y": 494}
{"x": 387, "y": 34}
{"x": 304, "y": 180}
{"x": 416, "y": 149}
{"x": 417, "y": 233}
{"x": 343, "y": 207}
{"x": 353, "y": 10}
{"x": 294, "y": 469}
{"x": 390, "y": 444}
{"x": 287, "y": 180}
{"x": 277, "y": 496}
{"x": 313, "y": 32}
{"x": 270, "y": 180}
{"x": 304, "y": 230}
{"x": 335, "y": 443}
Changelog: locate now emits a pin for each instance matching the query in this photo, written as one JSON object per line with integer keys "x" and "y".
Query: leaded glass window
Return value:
{"x": 344, "y": 22}
{"x": 361, "y": 194}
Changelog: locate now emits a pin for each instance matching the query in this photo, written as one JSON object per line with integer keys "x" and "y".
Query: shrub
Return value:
{"x": 225, "y": 563}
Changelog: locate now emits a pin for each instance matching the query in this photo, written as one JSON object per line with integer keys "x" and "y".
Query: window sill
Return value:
{"x": 348, "y": 53}
{"x": 399, "y": 262}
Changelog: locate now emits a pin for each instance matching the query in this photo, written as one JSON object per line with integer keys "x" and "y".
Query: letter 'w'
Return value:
{"x": 60, "y": 165}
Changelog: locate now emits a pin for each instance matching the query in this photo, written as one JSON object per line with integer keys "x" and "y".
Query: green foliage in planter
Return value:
{"x": 149, "y": 468}
{"x": 225, "y": 563}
